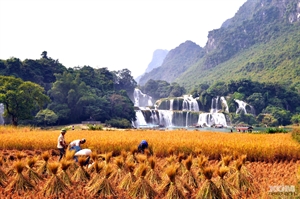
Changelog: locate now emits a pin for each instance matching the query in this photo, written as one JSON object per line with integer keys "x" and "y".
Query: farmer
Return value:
{"x": 61, "y": 144}
{"x": 75, "y": 145}
{"x": 142, "y": 146}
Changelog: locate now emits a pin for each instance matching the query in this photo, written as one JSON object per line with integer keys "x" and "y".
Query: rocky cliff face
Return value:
{"x": 256, "y": 21}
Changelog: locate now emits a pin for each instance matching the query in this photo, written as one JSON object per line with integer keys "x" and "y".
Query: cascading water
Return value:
{"x": 141, "y": 99}
{"x": 224, "y": 102}
{"x": 179, "y": 112}
{"x": 242, "y": 106}
{"x": 1, "y": 114}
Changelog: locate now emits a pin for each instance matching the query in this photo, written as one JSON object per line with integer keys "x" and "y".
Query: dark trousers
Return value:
{"x": 61, "y": 153}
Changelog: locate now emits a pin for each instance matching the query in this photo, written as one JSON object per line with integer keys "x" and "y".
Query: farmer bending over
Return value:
{"x": 142, "y": 146}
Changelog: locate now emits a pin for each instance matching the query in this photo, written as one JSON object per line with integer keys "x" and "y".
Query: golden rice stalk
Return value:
{"x": 202, "y": 162}
{"x": 141, "y": 170}
{"x": 129, "y": 178}
{"x": 118, "y": 173}
{"x": 171, "y": 151}
{"x": 80, "y": 174}
{"x": 227, "y": 190}
{"x": 108, "y": 157}
{"x": 170, "y": 160}
{"x": 174, "y": 192}
{"x": 54, "y": 186}
{"x": 169, "y": 188}
{"x": 190, "y": 179}
{"x": 43, "y": 169}
{"x": 153, "y": 175}
{"x": 70, "y": 154}
{"x": 32, "y": 175}
{"x": 142, "y": 188}
{"x": 208, "y": 190}
{"x": 20, "y": 155}
{"x": 241, "y": 180}
{"x": 226, "y": 160}
{"x": 97, "y": 169}
{"x": 19, "y": 183}
{"x": 63, "y": 175}
{"x": 94, "y": 156}
{"x": 102, "y": 187}
{"x": 3, "y": 176}
{"x": 141, "y": 158}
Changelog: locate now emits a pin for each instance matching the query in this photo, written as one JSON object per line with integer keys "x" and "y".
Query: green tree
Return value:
{"x": 21, "y": 98}
{"x": 46, "y": 116}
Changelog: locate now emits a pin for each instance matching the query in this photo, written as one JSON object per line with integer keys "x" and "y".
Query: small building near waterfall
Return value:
{"x": 244, "y": 129}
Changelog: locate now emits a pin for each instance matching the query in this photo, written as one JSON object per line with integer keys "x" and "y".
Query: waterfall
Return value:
{"x": 214, "y": 105}
{"x": 141, "y": 99}
{"x": 186, "y": 119}
{"x": 242, "y": 106}
{"x": 140, "y": 119}
{"x": 224, "y": 102}
{"x": 189, "y": 104}
{"x": 210, "y": 119}
{"x": 1, "y": 114}
{"x": 165, "y": 118}
{"x": 171, "y": 104}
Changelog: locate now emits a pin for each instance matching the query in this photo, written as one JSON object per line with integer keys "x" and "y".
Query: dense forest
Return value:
{"x": 69, "y": 95}
{"x": 44, "y": 92}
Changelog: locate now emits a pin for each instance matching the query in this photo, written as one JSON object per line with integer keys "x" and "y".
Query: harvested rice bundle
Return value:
{"x": 64, "y": 176}
{"x": 3, "y": 176}
{"x": 19, "y": 184}
{"x": 43, "y": 169}
{"x": 81, "y": 174}
{"x": 169, "y": 188}
{"x": 241, "y": 180}
{"x": 142, "y": 188}
{"x": 70, "y": 157}
{"x": 131, "y": 156}
{"x": 228, "y": 191}
{"x": 208, "y": 190}
{"x": 32, "y": 175}
{"x": 188, "y": 176}
{"x": 54, "y": 186}
{"x": 129, "y": 178}
{"x": 97, "y": 167}
{"x": 20, "y": 155}
{"x": 153, "y": 175}
{"x": 102, "y": 187}
{"x": 225, "y": 162}
{"x": 118, "y": 173}
{"x": 181, "y": 168}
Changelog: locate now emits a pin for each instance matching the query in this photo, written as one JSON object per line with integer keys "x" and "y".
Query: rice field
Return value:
{"x": 178, "y": 164}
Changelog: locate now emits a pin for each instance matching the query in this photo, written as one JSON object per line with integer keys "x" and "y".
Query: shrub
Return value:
{"x": 119, "y": 123}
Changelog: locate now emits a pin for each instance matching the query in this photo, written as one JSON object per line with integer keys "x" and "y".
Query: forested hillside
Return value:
{"x": 67, "y": 95}
{"x": 260, "y": 42}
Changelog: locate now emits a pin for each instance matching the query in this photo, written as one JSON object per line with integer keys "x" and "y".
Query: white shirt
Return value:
{"x": 61, "y": 139}
{"x": 75, "y": 143}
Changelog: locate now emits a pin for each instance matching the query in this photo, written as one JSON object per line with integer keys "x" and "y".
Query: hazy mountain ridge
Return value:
{"x": 176, "y": 62}
{"x": 157, "y": 59}
{"x": 257, "y": 25}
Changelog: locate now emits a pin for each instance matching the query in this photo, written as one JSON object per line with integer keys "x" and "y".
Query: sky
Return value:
{"x": 115, "y": 34}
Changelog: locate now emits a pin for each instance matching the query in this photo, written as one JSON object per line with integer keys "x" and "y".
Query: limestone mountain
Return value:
{"x": 157, "y": 59}
{"x": 261, "y": 42}
{"x": 176, "y": 62}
